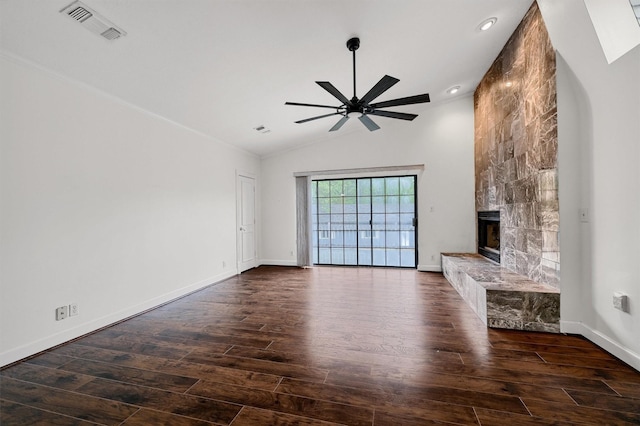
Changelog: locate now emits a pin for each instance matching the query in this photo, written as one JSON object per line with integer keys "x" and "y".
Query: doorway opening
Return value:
{"x": 365, "y": 221}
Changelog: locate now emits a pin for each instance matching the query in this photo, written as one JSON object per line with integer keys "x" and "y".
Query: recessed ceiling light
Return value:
{"x": 453, "y": 90}
{"x": 487, "y": 23}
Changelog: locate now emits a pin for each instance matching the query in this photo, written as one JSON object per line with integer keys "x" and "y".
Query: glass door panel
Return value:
{"x": 364, "y": 221}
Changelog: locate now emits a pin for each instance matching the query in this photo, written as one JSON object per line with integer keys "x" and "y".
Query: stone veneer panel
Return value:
{"x": 501, "y": 298}
{"x": 516, "y": 145}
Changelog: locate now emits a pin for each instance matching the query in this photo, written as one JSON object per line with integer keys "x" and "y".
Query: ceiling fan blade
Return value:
{"x": 417, "y": 99}
{"x": 317, "y": 117}
{"x": 368, "y": 123}
{"x": 335, "y": 92}
{"x": 393, "y": 114}
{"x": 311, "y": 105}
{"x": 381, "y": 86}
{"x": 339, "y": 123}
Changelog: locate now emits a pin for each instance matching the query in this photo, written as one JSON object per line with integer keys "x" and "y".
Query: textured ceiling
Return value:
{"x": 224, "y": 67}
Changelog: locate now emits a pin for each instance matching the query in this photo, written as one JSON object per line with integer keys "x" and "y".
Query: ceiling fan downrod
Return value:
{"x": 353, "y": 44}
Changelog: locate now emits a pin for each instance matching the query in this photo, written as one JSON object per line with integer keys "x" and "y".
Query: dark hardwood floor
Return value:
{"x": 321, "y": 346}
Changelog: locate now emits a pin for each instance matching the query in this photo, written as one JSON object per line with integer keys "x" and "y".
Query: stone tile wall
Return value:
{"x": 516, "y": 145}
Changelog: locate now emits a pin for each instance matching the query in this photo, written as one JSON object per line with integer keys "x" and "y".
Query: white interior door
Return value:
{"x": 246, "y": 219}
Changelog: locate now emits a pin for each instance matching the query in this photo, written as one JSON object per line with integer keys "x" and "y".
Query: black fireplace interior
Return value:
{"x": 489, "y": 235}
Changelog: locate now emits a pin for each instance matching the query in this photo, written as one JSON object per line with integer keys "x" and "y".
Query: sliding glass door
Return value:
{"x": 364, "y": 221}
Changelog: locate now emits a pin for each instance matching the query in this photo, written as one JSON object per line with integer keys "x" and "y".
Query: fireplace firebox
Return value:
{"x": 489, "y": 235}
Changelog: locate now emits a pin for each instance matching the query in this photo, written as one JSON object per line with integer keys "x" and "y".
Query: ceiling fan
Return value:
{"x": 363, "y": 105}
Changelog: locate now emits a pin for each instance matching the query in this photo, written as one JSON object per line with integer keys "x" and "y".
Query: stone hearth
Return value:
{"x": 500, "y": 297}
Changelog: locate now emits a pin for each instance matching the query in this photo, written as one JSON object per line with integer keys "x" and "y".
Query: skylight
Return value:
{"x": 635, "y": 4}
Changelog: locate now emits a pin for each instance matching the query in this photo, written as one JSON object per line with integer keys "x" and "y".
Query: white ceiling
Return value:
{"x": 224, "y": 67}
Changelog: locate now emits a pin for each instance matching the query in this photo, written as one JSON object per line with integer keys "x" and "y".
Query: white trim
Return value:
{"x": 341, "y": 172}
{"x": 429, "y": 268}
{"x": 276, "y": 262}
{"x": 605, "y": 342}
{"x": 48, "y": 342}
{"x": 247, "y": 174}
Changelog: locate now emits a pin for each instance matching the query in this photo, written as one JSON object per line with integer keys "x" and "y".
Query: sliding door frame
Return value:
{"x": 369, "y": 254}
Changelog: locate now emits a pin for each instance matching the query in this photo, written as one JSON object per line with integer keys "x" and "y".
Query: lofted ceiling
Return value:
{"x": 224, "y": 67}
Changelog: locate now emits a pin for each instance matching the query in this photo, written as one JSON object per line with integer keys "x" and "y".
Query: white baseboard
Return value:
{"x": 16, "y": 354}
{"x": 276, "y": 262}
{"x": 605, "y": 342}
{"x": 430, "y": 268}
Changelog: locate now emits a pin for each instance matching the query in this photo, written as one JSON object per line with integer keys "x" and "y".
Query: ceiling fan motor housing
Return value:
{"x": 353, "y": 44}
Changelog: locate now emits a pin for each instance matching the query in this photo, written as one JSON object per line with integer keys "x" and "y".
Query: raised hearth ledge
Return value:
{"x": 500, "y": 297}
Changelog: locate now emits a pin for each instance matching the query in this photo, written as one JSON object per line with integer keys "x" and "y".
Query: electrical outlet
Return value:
{"x": 224, "y": 264}
{"x": 61, "y": 313}
{"x": 73, "y": 310}
{"x": 584, "y": 215}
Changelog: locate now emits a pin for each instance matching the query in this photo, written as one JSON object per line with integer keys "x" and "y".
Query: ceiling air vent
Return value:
{"x": 111, "y": 34}
{"x": 80, "y": 14}
{"x": 92, "y": 21}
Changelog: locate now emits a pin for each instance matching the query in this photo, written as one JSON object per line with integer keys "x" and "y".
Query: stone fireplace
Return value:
{"x": 516, "y": 144}
{"x": 489, "y": 235}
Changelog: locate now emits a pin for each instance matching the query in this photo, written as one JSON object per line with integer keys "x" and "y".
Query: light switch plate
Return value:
{"x": 621, "y": 301}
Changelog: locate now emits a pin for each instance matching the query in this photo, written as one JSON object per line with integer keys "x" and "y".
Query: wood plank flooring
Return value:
{"x": 320, "y": 346}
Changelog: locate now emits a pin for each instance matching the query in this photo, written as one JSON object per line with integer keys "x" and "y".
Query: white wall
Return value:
{"x": 102, "y": 205}
{"x": 441, "y": 138}
{"x": 599, "y": 170}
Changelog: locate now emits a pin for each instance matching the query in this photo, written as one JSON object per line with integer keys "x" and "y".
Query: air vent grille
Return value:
{"x": 93, "y": 21}
{"x": 80, "y": 14}
{"x": 111, "y": 34}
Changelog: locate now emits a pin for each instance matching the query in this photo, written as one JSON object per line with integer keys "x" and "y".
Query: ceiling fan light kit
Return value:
{"x": 363, "y": 106}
